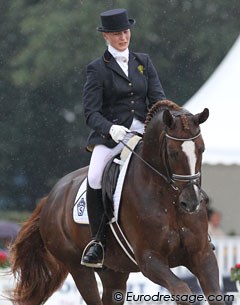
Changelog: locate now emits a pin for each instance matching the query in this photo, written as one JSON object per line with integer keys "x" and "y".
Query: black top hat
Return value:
{"x": 115, "y": 21}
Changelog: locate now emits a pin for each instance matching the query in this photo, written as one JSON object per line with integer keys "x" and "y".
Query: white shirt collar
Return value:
{"x": 116, "y": 54}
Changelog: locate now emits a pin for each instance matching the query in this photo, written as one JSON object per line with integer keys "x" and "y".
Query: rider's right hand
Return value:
{"x": 118, "y": 132}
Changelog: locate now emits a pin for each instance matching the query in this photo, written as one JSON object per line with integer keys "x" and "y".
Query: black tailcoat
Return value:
{"x": 110, "y": 97}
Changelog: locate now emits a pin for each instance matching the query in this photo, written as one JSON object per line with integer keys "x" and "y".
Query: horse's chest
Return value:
{"x": 171, "y": 240}
{"x": 185, "y": 244}
{"x": 177, "y": 246}
{"x": 182, "y": 239}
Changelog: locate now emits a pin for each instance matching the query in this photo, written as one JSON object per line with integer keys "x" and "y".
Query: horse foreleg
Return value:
{"x": 157, "y": 270}
{"x": 114, "y": 286}
{"x": 205, "y": 267}
{"x": 86, "y": 283}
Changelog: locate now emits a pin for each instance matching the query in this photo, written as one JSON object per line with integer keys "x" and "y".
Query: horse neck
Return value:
{"x": 152, "y": 150}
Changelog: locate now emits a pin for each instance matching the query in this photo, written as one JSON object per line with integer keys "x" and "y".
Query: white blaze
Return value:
{"x": 188, "y": 147}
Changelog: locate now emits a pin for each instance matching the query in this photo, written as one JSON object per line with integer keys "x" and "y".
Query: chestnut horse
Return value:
{"x": 163, "y": 215}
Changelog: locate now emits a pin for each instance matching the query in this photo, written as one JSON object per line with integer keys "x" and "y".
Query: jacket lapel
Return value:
{"x": 112, "y": 64}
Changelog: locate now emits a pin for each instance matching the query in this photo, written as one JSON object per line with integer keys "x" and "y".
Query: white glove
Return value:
{"x": 118, "y": 132}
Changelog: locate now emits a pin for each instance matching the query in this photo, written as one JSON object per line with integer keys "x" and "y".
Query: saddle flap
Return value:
{"x": 109, "y": 183}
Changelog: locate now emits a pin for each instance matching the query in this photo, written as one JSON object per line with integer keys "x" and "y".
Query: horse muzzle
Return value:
{"x": 190, "y": 198}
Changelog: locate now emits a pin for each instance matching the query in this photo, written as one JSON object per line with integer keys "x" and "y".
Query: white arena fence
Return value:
{"x": 227, "y": 253}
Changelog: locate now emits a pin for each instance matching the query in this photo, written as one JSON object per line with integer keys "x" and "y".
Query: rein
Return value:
{"x": 146, "y": 163}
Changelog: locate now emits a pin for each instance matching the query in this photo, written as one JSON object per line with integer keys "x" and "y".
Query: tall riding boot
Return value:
{"x": 93, "y": 254}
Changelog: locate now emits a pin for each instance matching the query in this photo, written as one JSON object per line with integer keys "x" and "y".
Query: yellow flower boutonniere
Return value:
{"x": 141, "y": 69}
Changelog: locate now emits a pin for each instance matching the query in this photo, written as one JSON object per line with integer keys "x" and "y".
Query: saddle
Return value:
{"x": 112, "y": 183}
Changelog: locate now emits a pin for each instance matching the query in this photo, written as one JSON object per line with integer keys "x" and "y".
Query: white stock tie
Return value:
{"x": 123, "y": 62}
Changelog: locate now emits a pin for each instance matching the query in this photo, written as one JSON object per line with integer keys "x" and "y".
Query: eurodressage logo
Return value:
{"x": 81, "y": 207}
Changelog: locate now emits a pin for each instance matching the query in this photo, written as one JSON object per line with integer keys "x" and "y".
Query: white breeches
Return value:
{"x": 102, "y": 154}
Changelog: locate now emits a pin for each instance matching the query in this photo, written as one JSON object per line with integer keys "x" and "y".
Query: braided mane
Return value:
{"x": 165, "y": 104}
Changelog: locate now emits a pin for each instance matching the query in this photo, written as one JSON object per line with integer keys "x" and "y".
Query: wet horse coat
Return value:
{"x": 163, "y": 215}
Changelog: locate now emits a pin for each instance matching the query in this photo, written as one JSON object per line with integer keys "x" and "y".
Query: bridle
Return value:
{"x": 173, "y": 178}
{"x": 193, "y": 179}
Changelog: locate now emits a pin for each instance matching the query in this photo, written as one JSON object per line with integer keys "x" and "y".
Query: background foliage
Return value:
{"x": 44, "y": 48}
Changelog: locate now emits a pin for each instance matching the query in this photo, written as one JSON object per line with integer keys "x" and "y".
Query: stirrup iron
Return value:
{"x": 97, "y": 265}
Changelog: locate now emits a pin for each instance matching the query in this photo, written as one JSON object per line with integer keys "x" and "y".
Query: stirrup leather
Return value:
{"x": 97, "y": 265}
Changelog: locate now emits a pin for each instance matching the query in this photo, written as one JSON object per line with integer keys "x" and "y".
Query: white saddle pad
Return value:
{"x": 80, "y": 214}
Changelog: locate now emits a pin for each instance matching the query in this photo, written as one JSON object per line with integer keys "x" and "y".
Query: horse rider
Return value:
{"x": 120, "y": 88}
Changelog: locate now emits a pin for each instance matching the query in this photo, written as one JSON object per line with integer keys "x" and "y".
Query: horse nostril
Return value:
{"x": 189, "y": 207}
{"x": 184, "y": 206}
{"x": 189, "y": 200}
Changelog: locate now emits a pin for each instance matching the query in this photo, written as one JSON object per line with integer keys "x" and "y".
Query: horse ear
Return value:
{"x": 202, "y": 117}
{"x": 168, "y": 118}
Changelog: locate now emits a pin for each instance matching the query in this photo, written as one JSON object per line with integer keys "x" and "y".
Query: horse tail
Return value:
{"x": 38, "y": 274}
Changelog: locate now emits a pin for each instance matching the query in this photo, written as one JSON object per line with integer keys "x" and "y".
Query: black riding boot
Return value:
{"x": 93, "y": 254}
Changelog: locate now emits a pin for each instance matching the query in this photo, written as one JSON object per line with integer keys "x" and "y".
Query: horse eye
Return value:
{"x": 174, "y": 154}
{"x": 201, "y": 149}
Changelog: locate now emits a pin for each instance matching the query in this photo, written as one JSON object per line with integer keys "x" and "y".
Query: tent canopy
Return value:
{"x": 221, "y": 95}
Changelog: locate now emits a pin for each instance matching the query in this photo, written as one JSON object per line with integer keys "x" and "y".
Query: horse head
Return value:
{"x": 180, "y": 147}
